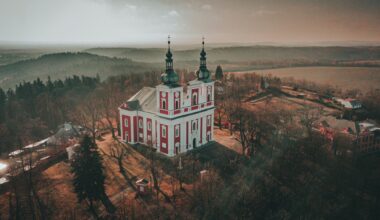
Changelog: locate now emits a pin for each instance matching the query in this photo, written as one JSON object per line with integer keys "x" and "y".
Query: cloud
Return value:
{"x": 173, "y": 13}
{"x": 132, "y": 7}
{"x": 206, "y": 7}
{"x": 263, "y": 12}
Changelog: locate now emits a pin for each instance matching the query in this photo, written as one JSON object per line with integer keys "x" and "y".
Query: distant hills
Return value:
{"x": 114, "y": 61}
{"x": 246, "y": 53}
{"x": 60, "y": 65}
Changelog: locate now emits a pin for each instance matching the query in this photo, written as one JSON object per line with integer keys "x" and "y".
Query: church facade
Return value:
{"x": 169, "y": 117}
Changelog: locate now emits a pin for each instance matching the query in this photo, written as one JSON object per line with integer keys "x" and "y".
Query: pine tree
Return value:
{"x": 88, "y": 172}
{"x": 3, "y": 99}
{"x": 218, "y": 73}
{"x": 262, "y": 83}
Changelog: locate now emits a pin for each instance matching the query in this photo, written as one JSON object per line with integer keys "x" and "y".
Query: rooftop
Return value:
{"x": 144, "y": 100}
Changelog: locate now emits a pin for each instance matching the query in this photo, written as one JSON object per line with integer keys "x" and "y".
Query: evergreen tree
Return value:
{"x": 262, "y": 83}
{"x": 88, "y": 172}
{"x": 3, "y": 100}
{"x": 219, "y": 73}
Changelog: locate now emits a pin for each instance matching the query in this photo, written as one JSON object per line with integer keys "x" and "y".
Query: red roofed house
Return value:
{"x": 168, "y": 118}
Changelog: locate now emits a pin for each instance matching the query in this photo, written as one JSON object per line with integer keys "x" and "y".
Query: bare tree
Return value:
{"x": 308, "y": 118}
{"x": 88, "y": 115}
{"x": 110, "y": 96}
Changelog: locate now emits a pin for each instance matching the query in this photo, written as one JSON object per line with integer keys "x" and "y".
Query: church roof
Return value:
{"x": 143, "y": 100}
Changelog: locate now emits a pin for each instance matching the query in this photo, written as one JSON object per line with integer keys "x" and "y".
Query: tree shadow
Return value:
{"x": 210, "y": 156}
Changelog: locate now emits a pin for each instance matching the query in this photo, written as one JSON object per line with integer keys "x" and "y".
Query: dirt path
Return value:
{"x": 223, "y": 137}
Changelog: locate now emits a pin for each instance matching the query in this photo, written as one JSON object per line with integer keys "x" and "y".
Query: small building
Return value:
{"x": 219, "y": 87}
{"x": 204, "y": 175}
{"x": 365, "y": 135}
{"x": 71, "y": 150}
{"x": 142, "y": 186}
{"x": 41, "y": 143}
{"x": 16, "y": 153}
{"x": 348, "y": 103}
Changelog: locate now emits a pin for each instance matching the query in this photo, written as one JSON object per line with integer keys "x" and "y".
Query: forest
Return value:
{"x": 286, "y": 170}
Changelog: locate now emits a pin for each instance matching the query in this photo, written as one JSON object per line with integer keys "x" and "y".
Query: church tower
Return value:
{"x": 169, "y": 92}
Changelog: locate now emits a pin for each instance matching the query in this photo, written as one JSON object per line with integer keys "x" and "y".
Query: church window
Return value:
{"x": 194, "y": 99}
{"x": 140, "y": 123}
{"x": 177, "y": 131}
{"x": 176, "y": 104}
{"x": 194, "y": 126}
{"x": 163, "y": 131}
{"x": 149, "y": 125}
{"x": 163, "y": 104}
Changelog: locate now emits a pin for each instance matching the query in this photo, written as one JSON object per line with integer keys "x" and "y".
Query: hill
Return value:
{"x": 61, "y": 65}
{"x": 247, "y": 54}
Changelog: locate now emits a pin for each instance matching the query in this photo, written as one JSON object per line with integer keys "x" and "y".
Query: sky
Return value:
{"x": 219, "y": 21}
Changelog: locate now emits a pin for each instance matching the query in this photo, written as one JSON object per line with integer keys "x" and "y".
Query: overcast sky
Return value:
{"x": 220, "y": 21}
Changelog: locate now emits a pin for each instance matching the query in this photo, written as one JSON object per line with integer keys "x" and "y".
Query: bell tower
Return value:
{"x": 169, "y": 92}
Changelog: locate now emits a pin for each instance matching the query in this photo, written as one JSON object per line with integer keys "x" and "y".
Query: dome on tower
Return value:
{"x": 203, "y": 73}
{"x": 169, "y": 77}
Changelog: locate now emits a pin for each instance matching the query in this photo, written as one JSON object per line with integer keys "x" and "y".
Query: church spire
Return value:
{"x": 169, "y": 59}
{"x": 203, "y": 55}
{"x": 170, "y": 77}
{"x": 203, "y": 73}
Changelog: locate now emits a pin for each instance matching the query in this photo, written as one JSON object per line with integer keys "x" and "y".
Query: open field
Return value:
{"x": 363, "y": 78}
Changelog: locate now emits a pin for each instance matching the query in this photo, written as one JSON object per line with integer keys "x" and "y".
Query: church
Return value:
{"x": 171, "y": 118}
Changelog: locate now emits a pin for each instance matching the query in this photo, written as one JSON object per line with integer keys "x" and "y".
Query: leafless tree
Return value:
{"x": 88, "y": 115}
{"x": 308, "y": 117}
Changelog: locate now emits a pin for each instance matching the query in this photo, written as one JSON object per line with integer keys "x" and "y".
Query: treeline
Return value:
{"x": 33, "y": 109}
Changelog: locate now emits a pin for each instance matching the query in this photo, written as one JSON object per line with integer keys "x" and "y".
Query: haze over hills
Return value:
{"x": 246, "y": 53}
{"x": 61, "y": 65}
{"x": 19, "y": 65}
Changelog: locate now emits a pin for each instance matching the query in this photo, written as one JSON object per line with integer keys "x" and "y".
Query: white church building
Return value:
{"x": 169, "y": 117}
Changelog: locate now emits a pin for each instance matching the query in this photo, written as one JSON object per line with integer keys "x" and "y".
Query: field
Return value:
{"x": 363, "y": 78}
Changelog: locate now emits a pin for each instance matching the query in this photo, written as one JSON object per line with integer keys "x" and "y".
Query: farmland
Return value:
{"x": 363, "y": 78}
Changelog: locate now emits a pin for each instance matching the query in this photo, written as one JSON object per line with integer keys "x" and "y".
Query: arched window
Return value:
{"x": 176, "y": 104}
{"x": 149, "y": 125}
{"x": 177, "y": 131}
{"x": 194, "y": 99}
{"x": 140, "y": 123}
{"x": 163, "y": 104}
{"x": 164, "y": 131}
{"x": 194, "y": 126}
{"x": 208, "y": 97}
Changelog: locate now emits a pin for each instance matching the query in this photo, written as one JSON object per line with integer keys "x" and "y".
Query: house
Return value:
{"x": 71, "y": 151}
{"x": 219, "y": 87}
{"x": 171, "y": 118}
{"x": 348, "y": 103}
{"x": 365, "y": 135}
{"x": 369, "y": 138}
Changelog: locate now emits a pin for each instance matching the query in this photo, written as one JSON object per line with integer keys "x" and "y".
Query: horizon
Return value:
{"x": 181, "y": 45}
{"x": 132, "y": 22}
